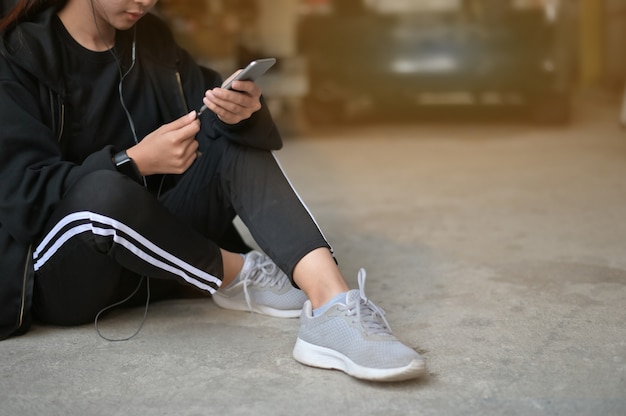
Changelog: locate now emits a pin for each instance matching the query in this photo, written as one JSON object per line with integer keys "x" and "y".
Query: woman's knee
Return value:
{"x": 105, "y": 192}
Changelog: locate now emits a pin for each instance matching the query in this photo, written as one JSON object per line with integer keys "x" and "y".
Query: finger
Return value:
{"x": 249, "y": 92}
{"x": 183, "y": 133}
{"x": 181, "y": 122}
{"x": 219, "y": 106}
{"x": 184, "y": 157}
{"x": 225, "y": 98}
{"x": 193, "y": 153}
{"x": 248, "y": 87}
{"x": 190, "y": 130}
{"x": 233, "y": 102}
{"x": 230, "y": 114}
{"x": 231, "y": 77}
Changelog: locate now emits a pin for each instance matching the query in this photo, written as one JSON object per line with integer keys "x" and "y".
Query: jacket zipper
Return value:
{"x": 61, "y": 122}
{"x": 61, "y": 114}
{"x": 181, "y": 92}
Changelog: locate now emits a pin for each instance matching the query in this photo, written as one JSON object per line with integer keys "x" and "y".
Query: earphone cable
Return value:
{"x": 123, "y": 76}
{"x": 131, "y": 123}
{"x": 143, "y": 320}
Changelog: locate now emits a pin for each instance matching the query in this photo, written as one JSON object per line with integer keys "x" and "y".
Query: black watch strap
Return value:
{"x": 124, "y": 164}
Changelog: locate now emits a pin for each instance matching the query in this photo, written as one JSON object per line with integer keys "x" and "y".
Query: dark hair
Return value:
{"x": 23, "y": 10}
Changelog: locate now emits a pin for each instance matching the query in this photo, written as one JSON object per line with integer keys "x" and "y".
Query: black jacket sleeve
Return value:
{"x": 33, "y": 174}
{"x": 258, "y": 131}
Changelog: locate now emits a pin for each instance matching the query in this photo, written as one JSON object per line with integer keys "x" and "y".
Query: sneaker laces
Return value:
{"x": 371, "y": 317}
{"x": 264, "y": 273}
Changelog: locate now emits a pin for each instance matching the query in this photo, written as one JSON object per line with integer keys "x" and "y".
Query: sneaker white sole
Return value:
{"x": 321, "y": 357}
{"x": 238, "y": 305}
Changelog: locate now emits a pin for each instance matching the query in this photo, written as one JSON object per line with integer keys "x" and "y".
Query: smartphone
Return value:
{"x": 251, "y": 72}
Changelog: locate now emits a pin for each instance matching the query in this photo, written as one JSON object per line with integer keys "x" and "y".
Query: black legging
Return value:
{"x": 108, "y": 230}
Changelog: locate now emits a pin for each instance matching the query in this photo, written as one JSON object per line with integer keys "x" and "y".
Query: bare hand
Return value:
{"x": 171, "y": 148}
{"x": 238, "y": 104}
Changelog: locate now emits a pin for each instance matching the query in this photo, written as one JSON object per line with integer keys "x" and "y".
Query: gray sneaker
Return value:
{"x": 263, "y": 288}
{"x": 356, "y": 339}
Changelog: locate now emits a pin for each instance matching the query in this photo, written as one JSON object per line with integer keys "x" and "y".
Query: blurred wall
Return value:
{"x": 591, "y": 42}
{"x": 602, "y": 33}
{"x": 615, "y": 36}
{"x": 277, "y": 23}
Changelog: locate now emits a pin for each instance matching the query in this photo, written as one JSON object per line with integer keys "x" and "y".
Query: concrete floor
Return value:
{"x": 497, "y": 250}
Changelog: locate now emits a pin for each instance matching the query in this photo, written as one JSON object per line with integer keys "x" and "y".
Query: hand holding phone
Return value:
{"x": 251, "y": 72}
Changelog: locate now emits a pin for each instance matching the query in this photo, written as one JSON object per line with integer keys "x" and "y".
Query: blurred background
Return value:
{"x": 349, "y": 61}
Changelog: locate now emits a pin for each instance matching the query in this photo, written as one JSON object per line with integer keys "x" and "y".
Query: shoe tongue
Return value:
{"x": 353, "y": 296}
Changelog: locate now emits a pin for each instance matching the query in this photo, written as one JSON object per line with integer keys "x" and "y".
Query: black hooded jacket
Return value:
{"x": 34, "y": 172}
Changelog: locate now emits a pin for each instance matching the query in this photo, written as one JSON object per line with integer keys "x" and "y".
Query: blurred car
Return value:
{"x": 399, "y": 54}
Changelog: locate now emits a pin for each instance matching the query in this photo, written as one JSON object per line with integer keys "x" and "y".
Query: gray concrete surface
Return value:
{"x": 497, "y": 250}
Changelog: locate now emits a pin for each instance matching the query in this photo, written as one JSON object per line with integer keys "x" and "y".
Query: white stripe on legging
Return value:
{"x": 280, "y": 166}
{"x": 133, "y": 248}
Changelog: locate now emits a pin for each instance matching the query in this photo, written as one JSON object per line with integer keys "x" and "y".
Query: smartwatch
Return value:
{"x": 124, "y": 164}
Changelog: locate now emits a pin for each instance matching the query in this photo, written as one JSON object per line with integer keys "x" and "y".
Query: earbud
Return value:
{"x": 134, "y": 43}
